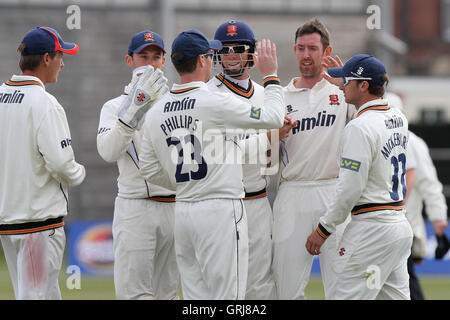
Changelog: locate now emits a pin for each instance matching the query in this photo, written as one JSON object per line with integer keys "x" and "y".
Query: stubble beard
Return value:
{"x": 310, "y": 72}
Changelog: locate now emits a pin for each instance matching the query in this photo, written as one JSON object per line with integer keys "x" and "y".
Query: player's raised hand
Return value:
{"x": 150, "y": 86}
{"x": 131, "y": 87}
{"x": 266, "y": 57}
{"x": 332, "y": 62}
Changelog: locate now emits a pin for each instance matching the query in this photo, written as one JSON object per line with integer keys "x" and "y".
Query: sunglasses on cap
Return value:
{"x": 346, "y": 80}
{"x": 240, "y": 48}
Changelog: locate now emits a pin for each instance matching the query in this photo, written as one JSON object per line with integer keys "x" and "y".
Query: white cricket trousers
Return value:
{"x": 144, "y": 252}
{"x": 296, "y": 211}
{"x": 34, "y": 262}
{"x": 211, "y": 245}
{"x": 371, "y": 262}
{"x": 260, "y": 282}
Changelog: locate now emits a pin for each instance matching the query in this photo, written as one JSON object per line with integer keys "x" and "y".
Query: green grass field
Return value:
{"x": 435, "y": 288}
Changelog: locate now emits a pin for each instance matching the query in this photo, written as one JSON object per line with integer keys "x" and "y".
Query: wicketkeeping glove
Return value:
{"x": 137, "y": 72}
{"x": 150, "y": 86}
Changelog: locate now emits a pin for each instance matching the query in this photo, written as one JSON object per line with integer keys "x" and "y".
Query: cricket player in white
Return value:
{"x": 310, "y": 164}
{"x": 423, "y": 187}
{"x": 427, "y": 189}
{"x": 37, "y": 166}
{"x": 235, "y": 58}
{"x": 183, "y": 134}
{"x": 371, "y": 260}
{"x": 144, "y": 251}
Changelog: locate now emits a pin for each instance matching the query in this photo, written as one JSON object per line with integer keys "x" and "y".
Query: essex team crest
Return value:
{"x": 232, "y": 30}
{"x": 334, "y": 100}
{"x": 148, "y": 36}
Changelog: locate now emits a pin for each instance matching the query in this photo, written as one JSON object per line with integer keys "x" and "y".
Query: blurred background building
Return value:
{"x": 412, "y": 37}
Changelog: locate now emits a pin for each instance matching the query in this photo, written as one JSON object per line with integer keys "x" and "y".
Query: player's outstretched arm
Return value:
{"x": 240, "y": 114}
{"x": 114, "y": 137}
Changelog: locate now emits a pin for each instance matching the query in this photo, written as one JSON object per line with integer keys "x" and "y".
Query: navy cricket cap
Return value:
{"x": 144, "y": 39}
{"x": 190, "y": 44}
{"x": 45, "y": 39}
{"x": 361, "y": 66}
{"x": 235, "y": 31}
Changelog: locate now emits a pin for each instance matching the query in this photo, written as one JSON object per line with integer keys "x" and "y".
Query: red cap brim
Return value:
{"x": 74, "y": 50}
{"x": 60, "y": 45}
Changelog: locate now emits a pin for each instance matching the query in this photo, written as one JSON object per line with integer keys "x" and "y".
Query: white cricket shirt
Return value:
{"x": 427, "y": 187}
{"x": 37, "y": 162}
{"x": 184, "y": 137}
{"x": 373, "y": 165}
{"x": 254, "y": 94}
{"x": 311, "y": 152}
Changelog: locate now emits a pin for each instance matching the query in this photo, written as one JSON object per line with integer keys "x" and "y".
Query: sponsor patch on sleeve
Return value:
{"x": 350, "y": 164}
{"x": 255, "y": 113}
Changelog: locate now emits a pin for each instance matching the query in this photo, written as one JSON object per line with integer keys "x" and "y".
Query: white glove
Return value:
{"x": 150, "y": 86}
{"x": 134, "y": 78}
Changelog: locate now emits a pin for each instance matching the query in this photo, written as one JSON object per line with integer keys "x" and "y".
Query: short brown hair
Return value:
{"x": 31, "y": 62}
{"x": 314, "y": 26}
{"x": 376, "y": 89}
{"x": 188, "y": 66}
